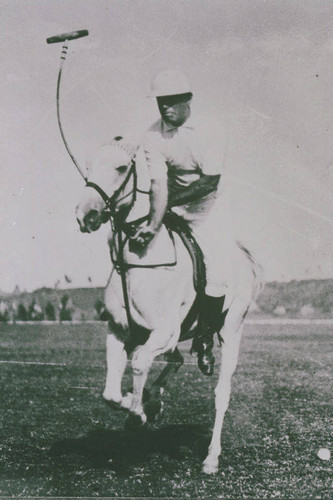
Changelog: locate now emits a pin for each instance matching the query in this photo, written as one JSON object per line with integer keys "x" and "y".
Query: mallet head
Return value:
{"x": 67, "y": 36}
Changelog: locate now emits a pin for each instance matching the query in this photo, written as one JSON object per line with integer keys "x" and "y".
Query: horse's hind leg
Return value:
{"x": 232, "y": 333}
{"x": 174, "y": 361}
{"x": 153, "y": 406}
{"x": 116, "y": 358}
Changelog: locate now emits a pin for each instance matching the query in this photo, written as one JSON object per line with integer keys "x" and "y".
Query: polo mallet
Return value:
{"x": 66, "y": 37}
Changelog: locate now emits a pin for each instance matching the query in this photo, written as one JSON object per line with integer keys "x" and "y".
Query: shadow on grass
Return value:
{"x": 119, "y": 449}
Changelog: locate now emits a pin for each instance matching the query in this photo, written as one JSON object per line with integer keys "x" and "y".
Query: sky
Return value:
{"x": 263, "y": 67}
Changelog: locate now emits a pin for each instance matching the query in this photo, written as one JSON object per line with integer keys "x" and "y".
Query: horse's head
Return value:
{"x": 110, "y": 170}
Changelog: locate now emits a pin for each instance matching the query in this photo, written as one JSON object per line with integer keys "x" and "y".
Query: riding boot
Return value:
{"x": 210, "y": 322}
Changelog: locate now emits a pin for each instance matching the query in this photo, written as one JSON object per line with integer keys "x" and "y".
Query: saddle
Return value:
{"x": 175, "y": 223}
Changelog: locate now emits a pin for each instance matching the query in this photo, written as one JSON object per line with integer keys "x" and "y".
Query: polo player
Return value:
{"x": 185, "y": 155}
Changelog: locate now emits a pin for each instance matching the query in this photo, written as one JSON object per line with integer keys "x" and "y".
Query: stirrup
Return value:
{"x": 203, "y": 345}
{"x": 206, "y": 359}
{"x": 206, "y": 336}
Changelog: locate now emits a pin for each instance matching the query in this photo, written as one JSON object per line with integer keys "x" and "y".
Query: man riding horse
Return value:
{"x": 185, "y": 155}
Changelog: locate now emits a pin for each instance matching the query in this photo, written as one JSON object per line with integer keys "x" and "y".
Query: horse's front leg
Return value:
{"x": 160, "y": 341}
{"x": 116, "y": 358}
{"x": 231, "y": 333}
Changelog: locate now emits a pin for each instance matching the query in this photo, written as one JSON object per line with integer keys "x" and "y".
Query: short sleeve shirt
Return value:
{"x": 185, "y": 153}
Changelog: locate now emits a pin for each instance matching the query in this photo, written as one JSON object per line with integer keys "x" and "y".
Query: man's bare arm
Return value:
{"x": 158, "y": 202}
{"x": 158, "y": 205}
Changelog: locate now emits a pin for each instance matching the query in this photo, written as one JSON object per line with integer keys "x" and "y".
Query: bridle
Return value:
{"x": 115, "y": 214}
{"x": 111, "y": 202}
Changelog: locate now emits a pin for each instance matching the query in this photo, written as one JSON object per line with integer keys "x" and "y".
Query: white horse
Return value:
{"x": 159, "y": 298}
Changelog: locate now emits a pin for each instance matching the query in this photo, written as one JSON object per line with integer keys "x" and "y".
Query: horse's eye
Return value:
{"x": 121, "y": 169}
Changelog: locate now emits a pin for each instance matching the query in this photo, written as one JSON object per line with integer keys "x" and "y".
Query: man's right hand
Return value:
{"x": 144, "y": 235}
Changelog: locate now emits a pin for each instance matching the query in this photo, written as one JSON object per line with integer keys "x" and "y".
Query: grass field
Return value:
{"x": 59, "y": 439}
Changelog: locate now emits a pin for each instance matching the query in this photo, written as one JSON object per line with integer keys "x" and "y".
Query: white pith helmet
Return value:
{"x": 170, "y": 82}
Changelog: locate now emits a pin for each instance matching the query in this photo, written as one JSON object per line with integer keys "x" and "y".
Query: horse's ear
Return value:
{"x": 123, "y": 143}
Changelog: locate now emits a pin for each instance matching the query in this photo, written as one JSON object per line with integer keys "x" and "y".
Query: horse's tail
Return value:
{"x": 257, "y": 271}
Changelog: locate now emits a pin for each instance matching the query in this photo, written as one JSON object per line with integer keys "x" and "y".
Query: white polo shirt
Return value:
{"x": 185, "y": 153}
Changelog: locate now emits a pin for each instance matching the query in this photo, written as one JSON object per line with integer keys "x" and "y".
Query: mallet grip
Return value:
{"x": 67, "y": 36}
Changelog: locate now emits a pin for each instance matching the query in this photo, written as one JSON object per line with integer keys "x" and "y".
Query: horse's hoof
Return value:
{"x": 114, "y": 405}
{"x": 152, "y": 404}
{"x": 206, "y": 363}
{"x": 154, "y": 410}
{"x": 210, "y": 468}
{"x": 134, "y": 422}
